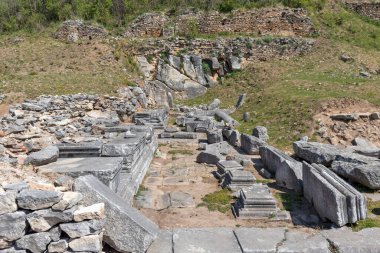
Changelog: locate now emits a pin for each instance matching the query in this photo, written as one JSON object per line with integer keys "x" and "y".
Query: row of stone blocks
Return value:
{"x": 265, "y": 240}
{"x": 38, "y": 217}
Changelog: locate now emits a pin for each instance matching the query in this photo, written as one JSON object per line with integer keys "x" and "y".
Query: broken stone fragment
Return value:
{"x": 261, "y": 133}
{"x": 12, "y": 226}
{"x": 90, "y": 243}
{"x": 79, "y": 229}
{"x": 58, "y": 247}
{"x": 44, "y": 156}
{"x": 38, "y": 199}
{"x": 43, "y": 220}
{"x": 95, "y": 211}
{"x": 69, "y": 199}
{"x": 8, "y": 202}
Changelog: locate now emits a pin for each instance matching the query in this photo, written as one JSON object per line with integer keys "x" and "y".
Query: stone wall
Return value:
{"x": 249, "y": 48}
{"x": 73, "y": 30}
{"x": 368, "y": 9}
{"x": 38, "y": 217}
{"x": 266, "y": 21}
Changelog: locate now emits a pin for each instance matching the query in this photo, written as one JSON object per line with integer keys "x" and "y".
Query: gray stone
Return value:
{"x": 375, "y": 116}
{"x": 301, "y": 242}
{"x": 181, "y": 199}
{"x": 234, "y": 138}
{"x": 362, "y": 142}
{"x": 36, "y": 243}
{"x": 58, "y": 247}
{"x": 205, "y": 240}
{"x": 12, "y": 226}
{"x": 106, "y": 169}
{"x": 246, "y": 116}
{"x": 261, "y": 133}
{"x": 200, "y": 75}
{"x": 126, "y": 229}
{"x": 79, "y": 229}
{"x": 333, "y": 198}
{"x": 188, "y": 68}
{"x": 175, "y": 62}
{"x": 346, "y": 241}
{"x": 8, "y": 202}
{"x": 345, "y": 117}
{"x": 184, "y": 135}
{"x": 38, "y": 199}
{"x": 314, "y": 152}
{"x": 224, "y": 166}
{"x": 31, "y": 107}
{"x": 240, "y": 101}
{"x": 69, "y": 199}
{"x": 234, "y": 63}
{"x": 358, "y": 168}
{"x": 16, "y": 186}
{"x": 214, "y": 104}
{"x": 55, "y": 234}
{"x": 12, "y": 250}
{"x": 237, "y": 179}
{"x": 288, "y": 172}
{"x": 214, "y": 136}
{"x": 209, "y": 156}
{"x": 251, "y": 144}
{"x": 95, "y": 211}
{"x": 43, "y": 220}
{"x": 90, "y": 243}
{"x": 163, "y": 243}
{"x": 259, "y": 240}
{"x": 222, "y": 115}
{"x": 44, "y": 156}
{"x": 145, "y": 67}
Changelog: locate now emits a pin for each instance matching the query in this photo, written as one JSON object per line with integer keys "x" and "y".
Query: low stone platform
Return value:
{"x": 154, "y": 118}
{"x": 256, "y": 202}
{"x": 106, "y": 169}
{"x": 236, "y": 179}
{"x": 224, "y": 166}
{"x": 75, "y": 150}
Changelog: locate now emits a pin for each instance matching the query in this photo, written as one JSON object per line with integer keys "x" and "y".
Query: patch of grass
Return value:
{"x": 180, "y": 152}
{"x": 218, "y": 201}
{"x": 373, "y": 209}
{"x": 265, "y": 181}
{"x": 289, "y": 200}
{"x": 140, "y": 190}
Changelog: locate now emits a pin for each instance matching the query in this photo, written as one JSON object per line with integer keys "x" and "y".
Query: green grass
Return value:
{"x": 373, "y": 209}
{"x": 289, "y": 200}
{"x": 265, "y": 181}
{"x": 217, "y": 201}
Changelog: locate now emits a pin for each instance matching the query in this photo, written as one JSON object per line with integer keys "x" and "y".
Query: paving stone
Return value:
{"x": 38, "y": 199}
{"x": 301, "y": 242}
{"x": 181, "y": 199}
{"x": 8, "y": 202}
{"x": 12, "y": 226}
{"x": 36, "y": 243}
{"x": 182, "y": 180}
{"x": 163, "y": 243}
{"x": 69, "y": 199}
{"x": 259, "y": 240}
{"x": 95, "y": 211}
{"x": 79, "y": 229}
{"x": 43, "y": 220}
{"x": 58, "y": 247}
{"x": 107, "y": 169}
{"x": 90, "y": 243}
{"x": 347, "y": 241}
{"x": 207, "y": 240}
{"x": 126, "y": 229}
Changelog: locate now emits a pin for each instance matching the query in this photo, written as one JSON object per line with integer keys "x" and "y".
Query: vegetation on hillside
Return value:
{"x": 36, "y": 14}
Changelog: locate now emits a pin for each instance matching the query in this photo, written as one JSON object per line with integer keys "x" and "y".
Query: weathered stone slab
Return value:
{"x": 205, "y": 240}
{"x": 347, "y": 241}
{"x": 288, "y": 171}
{"x": 44, "y": 156}
{"x": 358, "y": 168}
{"x": 332, "y": 198}
{"x": 314, "y": 152}
{"x": 163, "y": 243}
{"x": 106, "y": 169}
{"x": 181, "y": 199}
{"x": 38, "y": 199}
{"x": 251, "y": 144}
{"x": 259, "y": 240}
{"x": 12, "y": 226}
{"x": 301, "y": 242}
{"x": 8, "y": 202}
{"x": 126, "y": 230}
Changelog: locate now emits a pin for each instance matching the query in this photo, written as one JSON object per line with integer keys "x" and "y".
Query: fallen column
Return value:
{"x": 332, "y": 197}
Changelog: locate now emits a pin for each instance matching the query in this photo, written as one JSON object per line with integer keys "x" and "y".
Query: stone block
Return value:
{"x": 190, "y": 240}
{"x": 44, "y": 156}
{"x": 288, "y": 172}
{"x": 301, "y": 242}
{"x": 214, "y": 136}
{"x": 251, "y": 144}
{"x": 12, "y": 226}
{"x": 36, "y": 243}
{"x": 79, "y": 229}
{"x": 43, "y": 220}
{"x": 8, "y": 202}
{"x": 261, "y": 133}
{"x": 163, "y": 243}
{"x": 95, "y": 211}
{"x": 314, "y": 152}
{"x": 126, "y": 229}
{"x": 259, "y": 240}
{"x": 38, "y": 199}
{"x": 90, "y": 243}
{"x": 58, "y": 247}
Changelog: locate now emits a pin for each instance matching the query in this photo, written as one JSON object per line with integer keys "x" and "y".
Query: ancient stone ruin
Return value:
{"x": 74, "y": 30}
{"x": 370, "y": 9}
